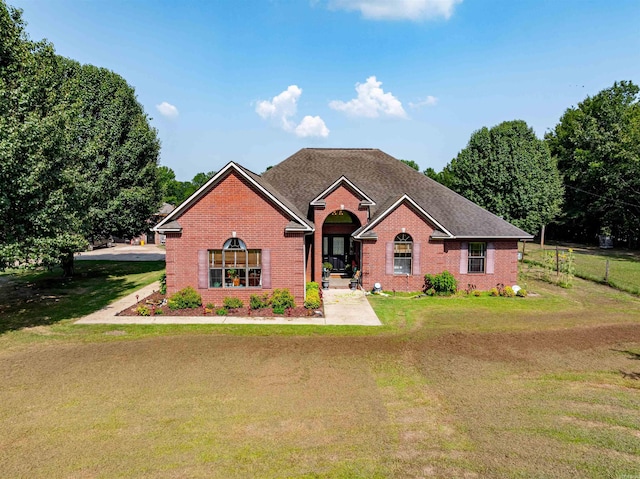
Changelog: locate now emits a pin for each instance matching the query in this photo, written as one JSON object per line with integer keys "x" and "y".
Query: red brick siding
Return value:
{"x": 235, "y": 205}
{"x": 435, "y": 256}
{"x": 341, "y": 196}
{"x": 505, "y": 265}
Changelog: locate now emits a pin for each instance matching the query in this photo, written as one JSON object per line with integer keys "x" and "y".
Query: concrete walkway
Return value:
{"x": 342, "y": 307}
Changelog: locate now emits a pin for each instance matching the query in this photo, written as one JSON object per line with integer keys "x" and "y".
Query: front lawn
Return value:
{"x": 545, "y": 386}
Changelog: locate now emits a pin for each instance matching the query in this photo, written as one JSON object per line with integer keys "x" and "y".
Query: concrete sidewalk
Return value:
{"x": 342, "y": 307}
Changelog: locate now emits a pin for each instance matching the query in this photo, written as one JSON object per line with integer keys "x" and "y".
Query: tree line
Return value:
{"x": 581, "y": 180}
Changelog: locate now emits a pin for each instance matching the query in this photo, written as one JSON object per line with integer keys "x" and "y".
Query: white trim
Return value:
{"x": 523, "y": 238}
{"x": 204, "y": 188}
{"x": 317, "y": 201}
{"x": 394, "y": 206}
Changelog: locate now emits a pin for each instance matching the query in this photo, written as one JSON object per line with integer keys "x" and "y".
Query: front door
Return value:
{"x": 335, "y": 250}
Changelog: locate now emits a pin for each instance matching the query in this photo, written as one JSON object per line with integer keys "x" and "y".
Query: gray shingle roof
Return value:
{"x": 304, "y": 175}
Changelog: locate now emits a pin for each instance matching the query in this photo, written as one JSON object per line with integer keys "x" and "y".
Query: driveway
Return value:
{"x": 124, "y": 252}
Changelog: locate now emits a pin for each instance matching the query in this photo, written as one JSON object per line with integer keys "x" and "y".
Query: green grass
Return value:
{"x": 624, "y": 265}
{"x": 448, "y": 387}
{"x": 37, "y": 298}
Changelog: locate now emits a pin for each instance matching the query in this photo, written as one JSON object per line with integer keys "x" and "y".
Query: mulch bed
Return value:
{"x": 156, "y": 299}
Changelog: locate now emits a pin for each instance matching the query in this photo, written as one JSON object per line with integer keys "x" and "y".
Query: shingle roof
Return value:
{"x": 304, "y": 175}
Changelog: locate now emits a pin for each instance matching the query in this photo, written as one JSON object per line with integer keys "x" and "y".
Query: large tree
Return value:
{"x": 509, "y": 171}
{"x": 77, "y": 155}
{"x": 597, "y": 145}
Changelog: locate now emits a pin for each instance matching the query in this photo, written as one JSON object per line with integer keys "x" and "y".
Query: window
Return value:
{"x": 402, "y": 249}
{"x": 235, "y": 266}
{"x": 477, "y": 255}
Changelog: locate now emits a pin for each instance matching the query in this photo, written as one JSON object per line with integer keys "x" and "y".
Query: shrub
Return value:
{"x": 258, "y": 302}
{"x": 494, "y": 292}
{"x": 476, "y": 293}
{"x": 508, "y": 292}
{"x": 211, "y": 306}
{"x": 522, "y": 293}
{"x": 278, "y": 310}
{"x": 143, "y": 311}
{"x": 159, "y": 312}
{"x": 281, "y": 298}
{"x": 187, "y": 298}
{"x": 313, "y": 299}
{"x": 232, "y": 303}
{"x": 430, "y": 292}
{"x": 312, "y": 285}
{"x": 221, "y": 312}
{"x": 163, "y": 283}
{"x": 443, "y": 283}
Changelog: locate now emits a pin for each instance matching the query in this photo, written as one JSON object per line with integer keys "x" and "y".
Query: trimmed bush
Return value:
{"x": 494, "y": 292}
{"x": 281, "y": 298}
{"x": 258, "y": 302}
{"x": 278, "y": 310}
{"x": 143, "y": 311}
{"x": 508, "y": 292}
{"x": 313, "y": 299}
{"x": 312, "y": 285}
{"x": 232, "y": 303}
{"x": 443, "y": 283}
{"x": 476, "y": 293}
{"x": 187, "y": 298}
{"x": 522, "y": 293}
{"x": 221, "y": 312}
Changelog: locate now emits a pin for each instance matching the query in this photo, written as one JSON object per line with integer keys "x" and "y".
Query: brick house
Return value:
{"x": 243, "y": 233}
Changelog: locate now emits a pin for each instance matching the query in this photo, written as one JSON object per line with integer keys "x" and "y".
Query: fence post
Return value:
{"x": 606, "y": 273}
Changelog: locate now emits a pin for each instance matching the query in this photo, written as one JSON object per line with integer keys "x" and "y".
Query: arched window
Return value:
{"x": 402, "y": 254}
{"x": 235, "y": 266}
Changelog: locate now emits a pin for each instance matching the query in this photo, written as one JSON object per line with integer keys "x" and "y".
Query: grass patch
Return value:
{"x": 591, "y": 264}
{"x": 37, "y": 298}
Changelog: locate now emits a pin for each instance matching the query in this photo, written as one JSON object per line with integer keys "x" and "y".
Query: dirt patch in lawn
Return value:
{"x": 157, "y": 305}
{"x": 209, "y": 405}
{"x": 527, "y": 345}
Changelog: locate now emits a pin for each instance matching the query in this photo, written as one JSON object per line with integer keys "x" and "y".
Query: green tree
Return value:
{"x": 77, "y": 155}
{"x": 509, "y": 171}
{"x": 444, "y": 177}
{"x": 175, "y": 192}
{"x": 412, "y": 164}
{"x": 597, "y": 145}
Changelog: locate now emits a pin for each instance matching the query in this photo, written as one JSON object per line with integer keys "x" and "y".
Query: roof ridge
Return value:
{"x": 342, "y": 149}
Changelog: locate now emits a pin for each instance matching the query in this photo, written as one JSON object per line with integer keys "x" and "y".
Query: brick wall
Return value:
{"x": 435, "y": 256}
{"x": 235, "y": 205}
{"x": 340, "y": 198}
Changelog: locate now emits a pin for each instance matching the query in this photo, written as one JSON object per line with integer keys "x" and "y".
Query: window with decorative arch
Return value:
{"x": 402, "y": 254}
{"x": 235, "y": 266}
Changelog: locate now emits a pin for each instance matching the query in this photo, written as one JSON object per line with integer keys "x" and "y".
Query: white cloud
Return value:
{"x": 371, "y": 102}
{"x": 415, "y": 10}
{"x": 428, "y": 101}
{"x": 167, "y": 109}
{"x": 283, "y": 107}
{"x": 312, "y": 126}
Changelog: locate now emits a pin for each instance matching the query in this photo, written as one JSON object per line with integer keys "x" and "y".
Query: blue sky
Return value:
{"x": 255, "y": 81}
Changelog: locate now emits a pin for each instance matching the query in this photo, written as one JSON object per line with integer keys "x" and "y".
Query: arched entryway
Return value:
{"x": 338, "y": 246}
